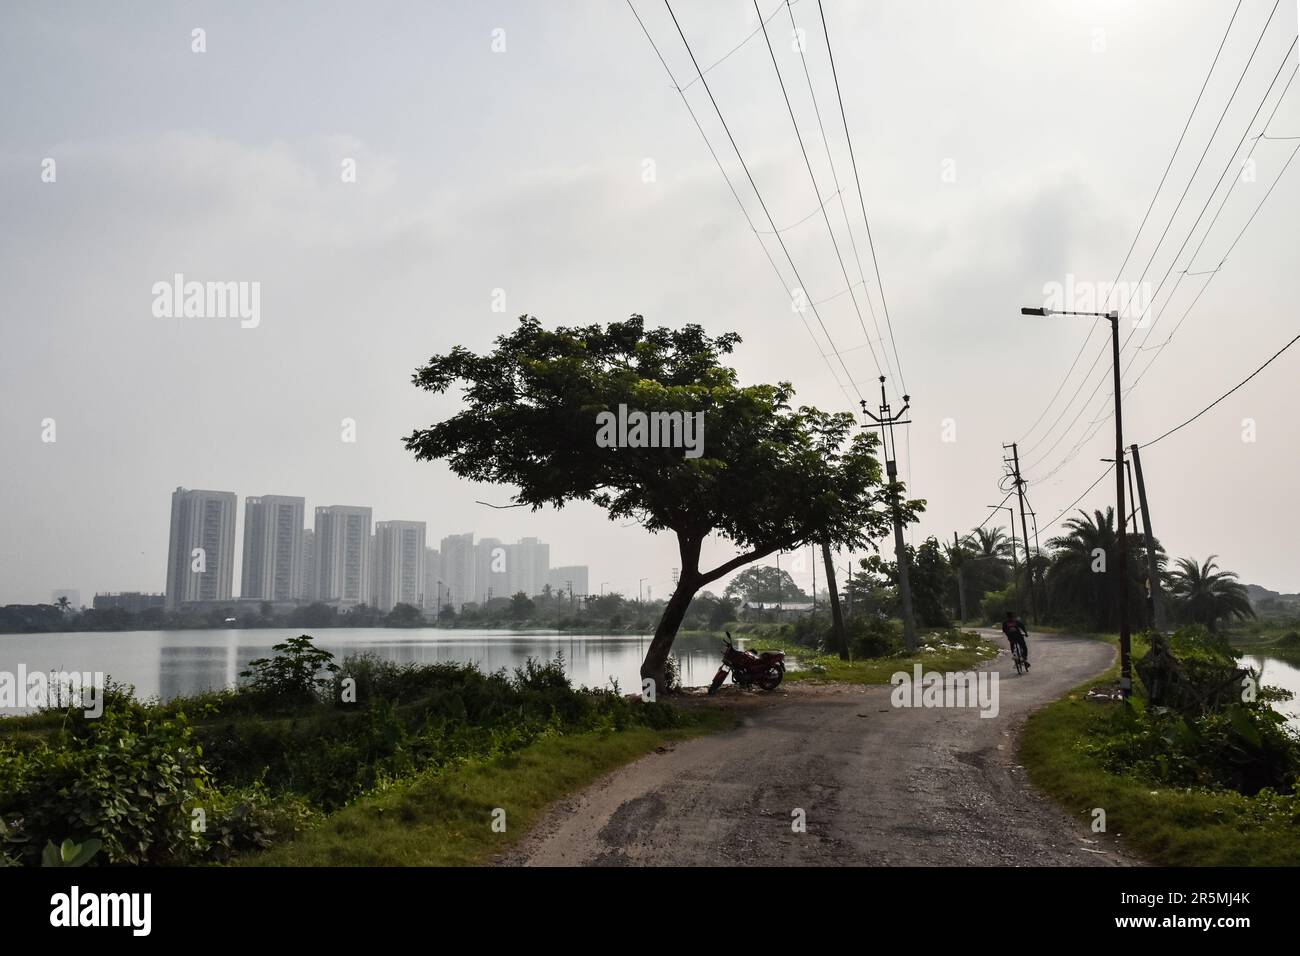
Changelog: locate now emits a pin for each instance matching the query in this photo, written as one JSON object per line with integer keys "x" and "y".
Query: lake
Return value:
{"x": 171, "y": 664}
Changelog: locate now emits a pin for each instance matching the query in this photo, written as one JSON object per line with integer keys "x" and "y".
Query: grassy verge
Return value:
{"x": 445, "y": 819}
{"x": 1165, "y": 825}
{"x": 944, "y": 651}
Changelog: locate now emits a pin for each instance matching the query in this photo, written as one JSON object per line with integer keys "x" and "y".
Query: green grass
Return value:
{"x": 944, "y": 652}
{"x": 445, "y": 819}
{"x": 1170, "y": 827}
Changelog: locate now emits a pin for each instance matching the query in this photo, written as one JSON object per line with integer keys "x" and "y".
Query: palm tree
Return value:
{"x": 1081, "y": 578}
{"x": 992, "y": 544}
{"x": 1206, "y": 596}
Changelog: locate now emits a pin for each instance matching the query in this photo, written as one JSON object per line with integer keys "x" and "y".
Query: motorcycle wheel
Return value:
{"x": 772, "y": 679}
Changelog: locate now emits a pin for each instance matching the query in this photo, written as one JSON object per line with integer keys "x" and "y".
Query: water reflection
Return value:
{"x": 169, "y": 664}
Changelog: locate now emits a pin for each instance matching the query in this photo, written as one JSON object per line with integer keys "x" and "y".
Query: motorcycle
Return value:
{"x": 766, "y": 669}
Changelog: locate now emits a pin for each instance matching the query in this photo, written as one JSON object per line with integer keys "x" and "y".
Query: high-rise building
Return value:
{"x": 399, "y": 554}
{"x": 458, "y": 569}
{"x": 342, "y": 544}
{"x": 201, "y": 546}
{"x": 569, "y": 576}
{"x": 272, "y": 568}
{"x": 491, "y": 570}
{"x": 307, "y": 589}
{"x": 529, "y": 563}
{"x": 432, "y": 580}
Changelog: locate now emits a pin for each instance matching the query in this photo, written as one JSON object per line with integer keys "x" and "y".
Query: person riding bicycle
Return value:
{"x": 1014, "y": 629}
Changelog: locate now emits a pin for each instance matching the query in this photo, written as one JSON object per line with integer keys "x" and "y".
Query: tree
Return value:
{"x": 1082, "y": 579}
{"x": 757, "y": 472}
{"x": 929, "y": 576}
{"x": 404, "y": 615}
{"x": 521, "y": 606}
{"x": 1205, "y": 596}
{"x": 765, "y": 584}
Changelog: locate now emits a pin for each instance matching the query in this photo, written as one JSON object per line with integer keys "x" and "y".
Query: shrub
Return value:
{"x": 293, "y": 675}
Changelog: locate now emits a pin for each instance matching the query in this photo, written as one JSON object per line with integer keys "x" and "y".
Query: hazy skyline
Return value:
{"x": 1002, "y": 147}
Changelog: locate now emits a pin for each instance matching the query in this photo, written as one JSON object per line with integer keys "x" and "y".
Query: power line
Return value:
{"x": 1224, "y": 395}
{"x": 1209, "y": 199}
{"x": 722, "y": 169}
{"x": 1155, "y": 250}
{"x": 1071, "y": 505}
{"x": 830, "y": 160}
{"x": 861, "y": 200}
{"x": 754, "y": 185}
{"x": 1141, "y": 226}
{"x": 816, "y": 191}
{"x": 718, "y": 62}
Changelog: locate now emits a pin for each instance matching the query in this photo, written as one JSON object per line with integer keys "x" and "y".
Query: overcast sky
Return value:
{"x": 1002, "y": 146}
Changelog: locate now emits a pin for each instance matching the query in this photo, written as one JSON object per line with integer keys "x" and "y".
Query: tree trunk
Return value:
{"x": 656, "y": 657}
{"x": 690, "y": 581}
{"x": 837, "y": 621}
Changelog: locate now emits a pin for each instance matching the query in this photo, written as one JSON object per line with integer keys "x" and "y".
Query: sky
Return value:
{"x": 526, "y": 158}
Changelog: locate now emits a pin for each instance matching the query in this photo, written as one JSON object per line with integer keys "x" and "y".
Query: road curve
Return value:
{"x": 878, "y": 785}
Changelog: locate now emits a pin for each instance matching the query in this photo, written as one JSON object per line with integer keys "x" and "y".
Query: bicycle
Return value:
{"x": 1022, "y": 664}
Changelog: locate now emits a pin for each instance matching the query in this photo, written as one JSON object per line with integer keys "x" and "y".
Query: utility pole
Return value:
{"x": 1155, "y": 606}
{"x": 961, "y": 582}
{"x": 1015, "y": 560}
{"x": 1024, "y": 530}
{"x": 837, "y": 621}
{"x": 1038, "y": 560}
{"x": 887, "y": 421}
{"x": 1121, "y": 539}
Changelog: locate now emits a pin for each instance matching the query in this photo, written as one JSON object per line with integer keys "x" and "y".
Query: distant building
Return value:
{"x": 307, "y": 585}
{"x": 342, "y": 547}
{"x": 272, "y": 567}
{"x": 492, "y": 570}
{"x": 399, "y": 558}
{"x": 72, "y": 594}
{"x": 529, "y": 564}
{"x": 569, "y": 577}
{"x": 459, "y": 575}
{"x": 201, "y": 546}
{"x": 133, "y": 602}
{"x": 432, "y": 580}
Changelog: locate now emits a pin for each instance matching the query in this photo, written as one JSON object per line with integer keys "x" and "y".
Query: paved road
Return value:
{"x": 878, "y": 785}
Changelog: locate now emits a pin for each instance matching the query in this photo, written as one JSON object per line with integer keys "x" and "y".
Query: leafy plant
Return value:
{"x": 293, "y": 675}
{"x": 69, "y": 853}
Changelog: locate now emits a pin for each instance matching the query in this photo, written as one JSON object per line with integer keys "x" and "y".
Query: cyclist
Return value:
{"x": 1014, "y": 629}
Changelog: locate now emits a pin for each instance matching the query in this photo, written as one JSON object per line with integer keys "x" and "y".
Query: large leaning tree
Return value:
{"x": 767, "y": 477}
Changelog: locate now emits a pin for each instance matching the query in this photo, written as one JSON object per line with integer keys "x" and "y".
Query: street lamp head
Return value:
{"x": 1035, "y": 311}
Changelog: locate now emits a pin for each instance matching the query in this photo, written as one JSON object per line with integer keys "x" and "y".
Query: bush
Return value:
{"x": 124, "y": 778}
{"x": 872, "y": 636}
{"x": 293, "y": 675}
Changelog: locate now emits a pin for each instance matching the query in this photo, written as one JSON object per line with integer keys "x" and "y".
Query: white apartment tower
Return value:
{"x": 201, "y": 546}
{"x": 342, "y": 541}
{"x": 399, "y": 556}
{"x": 529, "y": 564}
{"x": 492, "y": 570}
{"x": 458, "y": 569}
{"x": 272, "y": 568}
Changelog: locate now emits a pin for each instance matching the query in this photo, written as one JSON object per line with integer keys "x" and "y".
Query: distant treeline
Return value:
{"x": 608, "y": 612}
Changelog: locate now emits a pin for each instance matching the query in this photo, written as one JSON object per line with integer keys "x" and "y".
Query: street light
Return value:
{"x": 1121, "y": 545}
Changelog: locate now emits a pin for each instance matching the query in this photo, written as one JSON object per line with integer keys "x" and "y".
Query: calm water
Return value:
{"x": 1278, "y": 673}
{"x": 174, "y": 663}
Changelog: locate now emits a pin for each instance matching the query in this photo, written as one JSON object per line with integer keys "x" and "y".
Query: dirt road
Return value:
{"x": 877, "y": 785}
